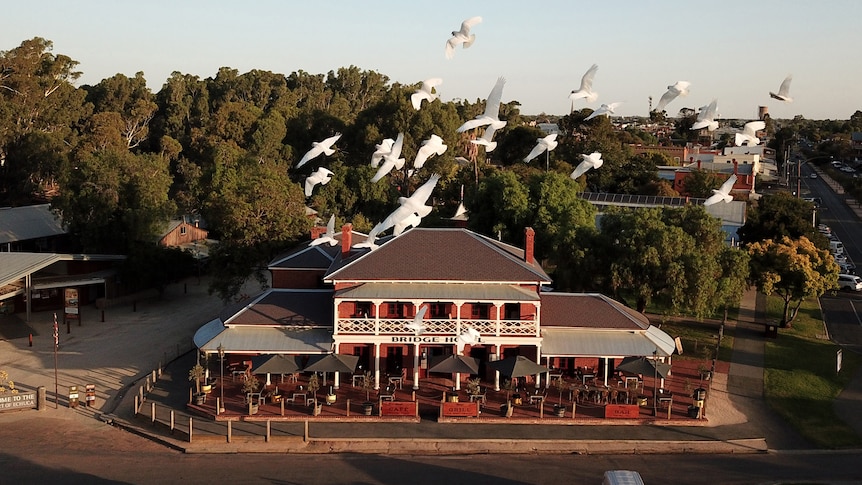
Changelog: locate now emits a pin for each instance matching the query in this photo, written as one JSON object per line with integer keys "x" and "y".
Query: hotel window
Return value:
{"x": 363, "y": 309}
{"x": 396, "y": 310}
{"x": 439, "y": 310}
{"x": 481, "y": 311}
{"x": 512, "y": 311}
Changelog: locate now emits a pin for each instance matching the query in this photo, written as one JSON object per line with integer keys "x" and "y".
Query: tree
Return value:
{"x": 777, "y": 215}
{"x": 793, "y": 269}
{"x": 700, "y": 183}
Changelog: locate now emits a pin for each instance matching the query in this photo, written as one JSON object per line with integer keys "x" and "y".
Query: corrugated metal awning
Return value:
{"x": 440, "y": 292}
{"x": 572, "y": 342}
{"x": 263, "y": 340}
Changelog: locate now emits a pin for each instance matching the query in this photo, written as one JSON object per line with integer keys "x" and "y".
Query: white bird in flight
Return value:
{"x": 491, "y": 116}
{"x": 370, "y": 241}
{"x": 417, "y": 326}
{"x": 462, "y": 37}
{"x": 749, "y": 133}
{"x": 391, "y": 160}
{"x": 426, "y": 92}
{"x": 322, "y": 176}
{"x": 586, "y": 89}
{"x": 324, "y": 147}
{"x": 486, "y": 139}
{"x": 380, "y": 150}
{"x": 430, "y": 147}
{"x": 547, "y": 143}
{"x": 329, "y": 236}
{"x": 593, "y": 160}
{"x": 722, "y": 193}
{"x": 604, "y": 110}
{"x": 783, "y": 90}
{"x": 680, "y": 88}
{"x": 706, "y": 117}
{"x": 470, "y": 336}
{"x": 410, "y": 205}
{"x": 412, "y": 220}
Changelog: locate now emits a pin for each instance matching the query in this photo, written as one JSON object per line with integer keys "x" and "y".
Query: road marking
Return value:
{"x": 855, "y": 312}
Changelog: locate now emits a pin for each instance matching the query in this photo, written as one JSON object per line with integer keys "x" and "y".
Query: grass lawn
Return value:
{"x": 800, "y": 379}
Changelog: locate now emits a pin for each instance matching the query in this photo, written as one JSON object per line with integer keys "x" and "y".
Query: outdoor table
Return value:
{"x": 665, "y": 396}
{"x": 299, "y": 396}
{"x": 477, "y": 397}
{"x": 636, "y": 380}
{"x": 584, "y": 377}
{"x": 537, "y": 399}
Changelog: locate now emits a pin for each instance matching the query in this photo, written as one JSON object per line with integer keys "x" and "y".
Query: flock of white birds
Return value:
{"x": 411, "y": 210}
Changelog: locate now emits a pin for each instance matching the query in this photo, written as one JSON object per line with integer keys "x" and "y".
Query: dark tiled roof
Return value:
{"x": 588, "y": 310}
{"x": 313, "y": 257}
{"x": 301, "y": 308}
{"x": 441, "y": 254}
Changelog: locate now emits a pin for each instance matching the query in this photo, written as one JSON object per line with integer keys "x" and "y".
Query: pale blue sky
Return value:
{"x": 734, "y": 50}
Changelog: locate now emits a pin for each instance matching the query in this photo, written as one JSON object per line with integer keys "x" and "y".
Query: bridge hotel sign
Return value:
{"x": 418, "y": 339}
{"x": 22, "y": 400}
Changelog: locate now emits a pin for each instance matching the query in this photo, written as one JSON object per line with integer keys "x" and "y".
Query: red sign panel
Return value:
{"x": 622, "y": 411}
{"x": 396, "y": 408}
{"x": 70, "y": 300}
{"x": 460, "y": 409}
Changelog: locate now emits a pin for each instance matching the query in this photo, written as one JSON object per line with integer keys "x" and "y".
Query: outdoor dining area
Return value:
{"x": 280, "y": 387}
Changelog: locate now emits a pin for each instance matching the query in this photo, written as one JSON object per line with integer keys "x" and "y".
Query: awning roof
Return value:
{"x": 440, "y": 292}
{"x": 263, "y": 340}
{"x": 605, "y": 343}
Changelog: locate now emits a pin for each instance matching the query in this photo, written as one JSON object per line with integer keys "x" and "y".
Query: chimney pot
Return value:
{"x": 346, "y": 239}
{"x": 529, "y": 244}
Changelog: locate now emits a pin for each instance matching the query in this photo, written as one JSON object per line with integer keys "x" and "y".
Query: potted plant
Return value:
{"x": 508, "y": 386}
{"x": 473, "y": 388}
{"x": 196, "y": 373}
{"x": 249, "y": 387}
{"x": 368, "y": 386}
{"x": 560, "y": 408}
{"x": 313, "y": 387}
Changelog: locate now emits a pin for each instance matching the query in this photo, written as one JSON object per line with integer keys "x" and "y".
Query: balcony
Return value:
{"x": 445, "y": 327}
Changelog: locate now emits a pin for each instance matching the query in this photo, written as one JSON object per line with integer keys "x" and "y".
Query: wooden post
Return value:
{"x": 172, "y": 421}
{"x": 268, "y": 431}
{"x": 305, "y": 432}
{"x": 282, "y": 406}
{"x": 218, "y": 405}
{"x": 190, "y": 429}
{"x": 417, "y": 406}
{"x": 136, "y": 405}
{"x": 148, "y": 384}
{"x": 229, "y": 429}
{"x": 574, "y": 406}
{"x": 414, "y": 396}
{"x": 541, "y": 409}
{"x": 669, "y": 407}
{"x": 154, "y": 378}
{"x": 153, "y": 412}
{"x": 348, "y": 407}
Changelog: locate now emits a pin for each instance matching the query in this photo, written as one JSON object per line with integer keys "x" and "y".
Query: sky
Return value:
{"x": 734, "y": 51}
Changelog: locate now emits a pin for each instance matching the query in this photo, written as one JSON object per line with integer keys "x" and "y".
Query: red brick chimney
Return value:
{"x": 735, "y": 167}
{"x": 529, "y": 244}
{"x": 317, "y": 231}
{"x": 346, "y": 242}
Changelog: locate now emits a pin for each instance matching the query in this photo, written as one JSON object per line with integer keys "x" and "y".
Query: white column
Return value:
{"x": 336, "y": 381}
{"x": 607, "y": 369}
{"x": 496, "y": 372}
{"x": 415, "y": 366}
{"x": 538, "y": 361}
{"x": 376, "y": 366}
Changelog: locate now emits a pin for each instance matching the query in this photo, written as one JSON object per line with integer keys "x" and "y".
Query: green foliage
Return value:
{"x": 196, "y": 373}
{"x": 792, "y": 269}
{"x": 700, "y": 183}
{"x": 778, "y": 215}
{"x": 149, "y": 265}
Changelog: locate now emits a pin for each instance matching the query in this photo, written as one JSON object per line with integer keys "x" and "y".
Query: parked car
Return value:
{"x": 813, "y": 175}
{"x": 836, "y": 247}
{"x": 849, "y": 282}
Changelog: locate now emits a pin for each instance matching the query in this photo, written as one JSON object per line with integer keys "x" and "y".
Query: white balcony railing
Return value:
{"x": 397, "y": 326}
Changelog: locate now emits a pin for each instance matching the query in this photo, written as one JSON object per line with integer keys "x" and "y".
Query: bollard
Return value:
{"x": 136, "y": 405}
{"x": 268, "y": 431}
{"x": 153, "y": 412}
{"x": 172, "y": 421}
{"x": 348, "y": 407}
{"x": 190, "y": 429}
{"x": 305, "y": 432}
{"x": 229, "y": 430}
{"x": 282, "y": 407}
{"x": 218, "y": 406}
{"x": 31, "y": 340}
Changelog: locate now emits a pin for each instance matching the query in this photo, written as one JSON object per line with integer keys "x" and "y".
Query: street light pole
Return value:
{"x": 220, "y": 349}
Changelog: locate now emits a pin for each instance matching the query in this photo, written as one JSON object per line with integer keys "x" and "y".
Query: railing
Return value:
{"x": 397, "y": 326}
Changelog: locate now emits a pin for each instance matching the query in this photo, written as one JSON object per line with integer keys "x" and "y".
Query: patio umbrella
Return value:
{"x": 644, "y": 366}
{"x": 517, "y": 366}
{"x": 332, "y": 363}
{"x": 274, "y": 364}
{"x": 455, "y": 364}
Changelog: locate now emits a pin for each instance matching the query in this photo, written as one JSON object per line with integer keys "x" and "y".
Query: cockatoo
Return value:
{"x": 380, "y": 150}
{"x": 322, "y": 176}
{"x": 470, "y": 336}
{"x": 391, "y": 160}
{"x": 430, "y": 147}
{"x": 329, "y": 236}
{"x": 783, "y": 91}
{"x": 706, "y": 117}
{"x": 722, "y": 194}
{"x": 680, "y": 88}
{"x": 492, "y": 110}
{"x": 586, "y": 89}
{"x": 486, "y": 139}
{"x": 604, "y": 110}
{"x": 462, "y": 37}
{"x": 410, "y": 205}
{"x": 426, "y": 92}
{"x": 324, "y": 147}
{"x": 749, "y": 133}
{"x": 593, "y": 160}
{"x": 417, "y": 326}
{"x": 547, "y": 143}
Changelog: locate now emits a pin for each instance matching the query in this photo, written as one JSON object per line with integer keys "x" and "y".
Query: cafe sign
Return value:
{"x": 70, "y": 300}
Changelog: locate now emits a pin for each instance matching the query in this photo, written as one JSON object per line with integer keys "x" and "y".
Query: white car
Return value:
{"x": 849, "y": 282}
{"x": 813, "y": 175}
